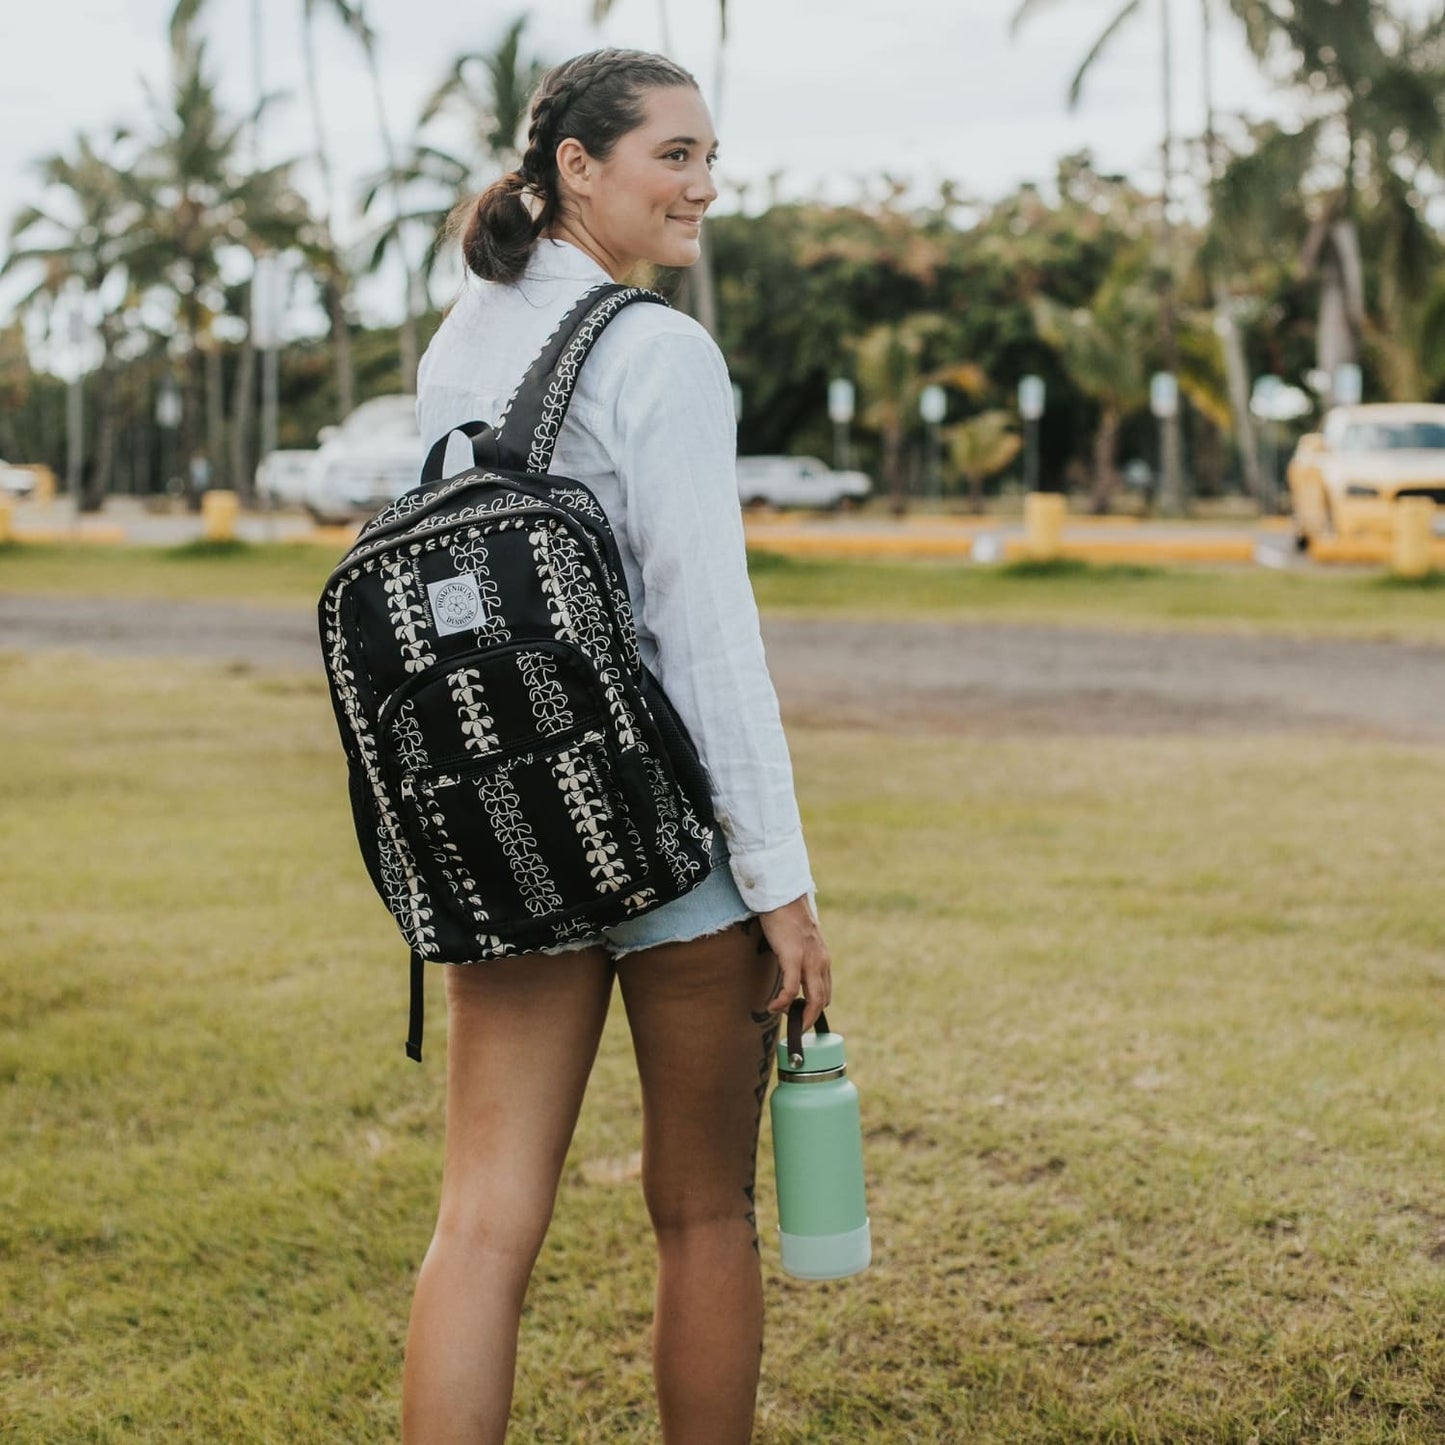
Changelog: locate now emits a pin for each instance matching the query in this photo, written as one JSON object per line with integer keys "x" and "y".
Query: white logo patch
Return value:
{"x": 456, "y": 604}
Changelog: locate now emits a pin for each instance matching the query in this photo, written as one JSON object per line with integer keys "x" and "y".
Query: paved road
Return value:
{"x": 910, "y": 675}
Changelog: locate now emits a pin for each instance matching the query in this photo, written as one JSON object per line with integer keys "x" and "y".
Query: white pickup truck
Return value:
{"x": 798, "y": 482}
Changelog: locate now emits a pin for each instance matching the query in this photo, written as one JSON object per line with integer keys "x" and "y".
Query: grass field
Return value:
{"x": 1342, "y": 603}
{"x": 1148, "y": 1033}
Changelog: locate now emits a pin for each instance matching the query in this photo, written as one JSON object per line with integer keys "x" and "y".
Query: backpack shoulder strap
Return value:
{"x": 532, "y": 421}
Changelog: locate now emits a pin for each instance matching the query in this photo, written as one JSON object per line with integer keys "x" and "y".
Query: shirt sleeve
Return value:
{"x": 676, "y": 457}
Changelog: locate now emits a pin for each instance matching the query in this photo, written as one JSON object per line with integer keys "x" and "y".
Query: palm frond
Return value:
{"x": 183, "y": 17}
{"x": 1076, "y": 86}
{"x": 1026, "y": 10}
{"x": 452, "y": 83}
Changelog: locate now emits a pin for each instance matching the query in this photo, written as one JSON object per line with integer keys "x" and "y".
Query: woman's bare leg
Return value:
{"x": 522, "y": 1035}
{"x": 704, "y": 1053}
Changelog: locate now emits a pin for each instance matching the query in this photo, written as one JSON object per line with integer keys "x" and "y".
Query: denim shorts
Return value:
{"x": 715, "y": 904}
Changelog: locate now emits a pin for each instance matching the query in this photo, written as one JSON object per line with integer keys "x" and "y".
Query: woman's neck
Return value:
{"x": 577, "y": 235}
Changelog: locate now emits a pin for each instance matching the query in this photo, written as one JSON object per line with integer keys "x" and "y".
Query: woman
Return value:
{"x": 617, "y": 172}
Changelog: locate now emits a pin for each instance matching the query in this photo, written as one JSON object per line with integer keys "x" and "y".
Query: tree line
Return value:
{"x": 1315, "y": 246}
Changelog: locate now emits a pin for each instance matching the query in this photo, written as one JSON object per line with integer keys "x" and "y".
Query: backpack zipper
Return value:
{"x": 388, "y": 710}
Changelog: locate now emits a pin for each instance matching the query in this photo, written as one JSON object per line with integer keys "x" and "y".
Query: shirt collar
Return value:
{"x": 561, "y": 260}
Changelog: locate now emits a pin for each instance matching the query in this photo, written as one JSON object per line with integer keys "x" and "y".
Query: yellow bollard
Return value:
{"x": 7, "y": 520}
{"x": 1044, "y": 514}
{"x": 219, "y": 511}
{"x": 1414, "y": 533}
{"x": 44, "y": 493}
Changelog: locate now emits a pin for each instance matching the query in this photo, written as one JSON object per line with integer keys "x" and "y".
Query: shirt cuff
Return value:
{"x": 767, "y": 878}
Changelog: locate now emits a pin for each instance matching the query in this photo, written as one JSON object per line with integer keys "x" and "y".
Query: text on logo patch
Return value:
{"x": 456, "y": 604}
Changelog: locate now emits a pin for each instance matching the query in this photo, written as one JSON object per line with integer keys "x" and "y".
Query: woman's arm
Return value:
{"x": 676, "y": 455}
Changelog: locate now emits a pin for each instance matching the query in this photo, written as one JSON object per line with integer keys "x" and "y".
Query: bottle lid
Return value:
{"x": 822, "y": 1053}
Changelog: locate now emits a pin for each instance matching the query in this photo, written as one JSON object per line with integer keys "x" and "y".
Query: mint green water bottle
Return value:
{"x": 818, "y": 1152}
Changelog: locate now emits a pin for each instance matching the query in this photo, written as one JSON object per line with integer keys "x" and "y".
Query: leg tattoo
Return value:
{"x": 765, "y": 1071}
{"x": 768, "y": 1022}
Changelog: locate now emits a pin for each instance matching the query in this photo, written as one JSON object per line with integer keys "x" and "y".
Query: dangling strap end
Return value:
{"x": 418, "y": 1008}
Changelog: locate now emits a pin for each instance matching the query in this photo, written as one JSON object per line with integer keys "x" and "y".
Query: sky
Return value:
{"x": 824, "y": 95}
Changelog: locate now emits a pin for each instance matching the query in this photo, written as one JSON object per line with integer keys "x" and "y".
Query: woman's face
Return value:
{"x": 645, "y": 202}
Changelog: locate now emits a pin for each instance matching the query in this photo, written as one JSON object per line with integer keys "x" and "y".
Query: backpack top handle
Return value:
{"x": 485, "y": 452}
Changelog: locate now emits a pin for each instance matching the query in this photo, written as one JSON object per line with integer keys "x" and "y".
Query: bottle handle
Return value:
{"x": 795, "y": 1031}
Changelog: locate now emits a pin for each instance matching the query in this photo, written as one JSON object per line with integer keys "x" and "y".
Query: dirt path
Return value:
{"x": 983, "y": 678}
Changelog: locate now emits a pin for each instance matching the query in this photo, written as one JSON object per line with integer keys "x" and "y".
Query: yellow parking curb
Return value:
{"x": 960, "y": 546}
{"x": 1143, "y": 551}
{"x": 1364, "y": 550}
{"x": 862, "y": 544}
{"x": 341, "y": 537}
{"x": 103, "y": 536}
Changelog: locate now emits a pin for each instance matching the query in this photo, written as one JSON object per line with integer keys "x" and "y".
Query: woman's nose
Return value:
{"x": 702, "y": 191}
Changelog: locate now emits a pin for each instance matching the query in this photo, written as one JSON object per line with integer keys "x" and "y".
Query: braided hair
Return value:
{"x": 595, "y": 99}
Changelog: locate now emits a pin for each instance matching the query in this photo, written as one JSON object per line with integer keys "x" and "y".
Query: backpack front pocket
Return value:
{"x": 520, "y": 808}
{"x": 541, "y": 834}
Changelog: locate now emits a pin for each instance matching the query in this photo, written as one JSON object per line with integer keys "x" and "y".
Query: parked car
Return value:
{"x": 282, "y": 477}
{"x": 798, "y": 482}
{"x": 369, "y": 460}
{"x": 1345, "y": 478}
{"x": 16, "y": 481}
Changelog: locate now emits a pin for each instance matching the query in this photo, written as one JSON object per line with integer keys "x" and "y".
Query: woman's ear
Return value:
{"x": 575, "y": 168}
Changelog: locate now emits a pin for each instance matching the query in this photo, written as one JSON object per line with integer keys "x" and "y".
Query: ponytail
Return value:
{"x": 497, "y": 230}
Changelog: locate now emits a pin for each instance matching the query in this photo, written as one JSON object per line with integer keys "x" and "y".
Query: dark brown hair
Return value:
{"x": 596, "y": 99}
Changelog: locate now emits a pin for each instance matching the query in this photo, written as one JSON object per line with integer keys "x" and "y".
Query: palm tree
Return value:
{"x": 1172, "y": 488}
{"x": 491, "y": 92}
{"x": 1432, "y": 342}
{"x": 353, "y": 16}
{"x": 82, "y": 237}
{"x": 888, "y": 361}
{"x": 14, "y": 385}
{"x": 198, "y": 201}
{"x": 1104, "y": 348}
{"x": 1226, "y": 312}
{"x": 980, "y": 448}
{"x": 1372, "y": 81}
{"x": 336, "y": 279}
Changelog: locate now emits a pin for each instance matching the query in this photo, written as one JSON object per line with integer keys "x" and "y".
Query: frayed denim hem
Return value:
{"x": 714, "y": 906}
{"x": 685, "y": 936}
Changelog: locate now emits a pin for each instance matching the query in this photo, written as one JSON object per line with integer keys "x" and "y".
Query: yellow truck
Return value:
{"x": 1345, "y": 478}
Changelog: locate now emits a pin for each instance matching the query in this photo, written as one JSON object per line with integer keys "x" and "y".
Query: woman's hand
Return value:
{"x": 803, "y": 962}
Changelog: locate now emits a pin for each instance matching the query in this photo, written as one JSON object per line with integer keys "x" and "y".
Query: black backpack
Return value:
{"x": 518, "y": 778}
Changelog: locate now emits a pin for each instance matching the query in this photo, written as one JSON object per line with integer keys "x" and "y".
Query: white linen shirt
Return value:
{"x": 652, "y": 433}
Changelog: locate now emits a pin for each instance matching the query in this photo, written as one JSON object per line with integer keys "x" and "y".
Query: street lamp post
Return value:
{"x": 268, "y": 286}
{"x": 1271, "y": 402}
{"x": 75, "y": 401}
{"x": 932, "y": 405}
{"x": 1031, "y": 408}
{"x": 841, "y": 399}
{"x": 1164, "y": 403}
{"x": 1171, "y": 449}
{"x": 1348, "y": 384}
{"x": 168, "y": 418}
